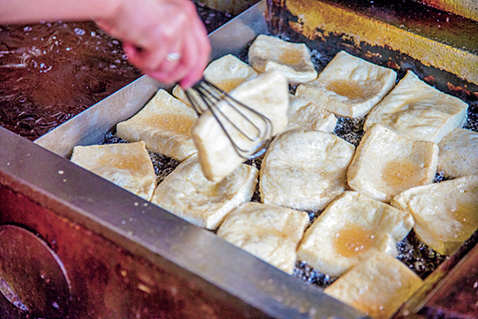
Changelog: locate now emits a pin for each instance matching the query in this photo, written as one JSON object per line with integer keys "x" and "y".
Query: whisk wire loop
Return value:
{"x": 205, "y": 95}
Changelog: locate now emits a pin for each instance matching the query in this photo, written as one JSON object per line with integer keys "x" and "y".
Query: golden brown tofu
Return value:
{"x": 266, "y": 94}
{"x": 458, "y": 154}
{"x": 385, "y": 164}
{"x": 417, "y": 111}
{"x": 164, "y": 124}
{"x": 349, "y": 86}
{"x": 307, "y": 115}
{"x": 226, "y": 72}
{"x": 188, "y": 194}
{"x": 269, "y": 232}
{"x": 350, "y": 230}
{"x": 305, "y": 169}
{"x": 269, "y": 53}
{"x": 378, "y": 286}
{"x": 446, "y": 213}
{"x": 126, "y": 165}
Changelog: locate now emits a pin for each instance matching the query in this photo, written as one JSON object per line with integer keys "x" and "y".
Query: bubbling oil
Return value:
{"x": 51, "y": 71}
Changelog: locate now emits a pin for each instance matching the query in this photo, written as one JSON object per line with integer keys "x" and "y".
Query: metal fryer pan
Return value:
{"x": 149, "y": 231}
{"x": 214, "y": 267}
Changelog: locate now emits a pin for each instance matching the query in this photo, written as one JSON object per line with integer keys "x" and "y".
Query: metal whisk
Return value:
{"x": 241, "y": 121}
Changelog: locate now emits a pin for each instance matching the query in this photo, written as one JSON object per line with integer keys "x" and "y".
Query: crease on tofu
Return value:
{"x": 307, "y": 115}
{"x": 127, "y": 165}
{"x": 349, "y": 86}
{"x": 164, "y": 124}
{"x": 458, "y": 154}
{"x": 418, "y": 111}
{"x": 269, "y": 232}
{"x": 188, "y": 194}
{"x": 446, "y": 213}
{"x": 305, "y": 169}
{"x": 351, "y": 229}
{"x": 266, "y": 94}
{"x": 378, "y": 286}
{"x": 226, "y": 73}
{"x": 386, "y": 164}
{"x": 269, "y": 53}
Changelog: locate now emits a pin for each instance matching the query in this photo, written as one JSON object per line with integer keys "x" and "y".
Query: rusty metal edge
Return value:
{"x": 317, "y": 19}
{"x": 465, "y": 8}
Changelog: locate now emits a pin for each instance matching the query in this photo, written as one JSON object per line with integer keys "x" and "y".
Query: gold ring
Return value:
{"x": 173, "y": 56}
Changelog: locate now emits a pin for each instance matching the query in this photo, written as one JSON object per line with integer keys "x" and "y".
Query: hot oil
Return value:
{"x": 417, "y": 256}
{"x": 350, "y": 129}
{"x": 52, "y": 71}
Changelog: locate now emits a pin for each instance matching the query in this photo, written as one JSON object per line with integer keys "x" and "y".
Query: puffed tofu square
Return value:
{"x": 188, "y": 194}
{"x": 127, "y": 165}
{"x": 310, "y": 116}
{"x": 446, "y": 213}
{"x": 350, "y": 230}
{"x": 305, "y": 169}
{"x": 418, "y": 111}
{"x": 269, "y": 53}
{"x": 268, "y": 95}
{"x": 385, "y": 164}
{"x": 269, "y": 232}
{"x": 226, "y": 73}
{"x": 459, "y": 153}
{"x": 164, "y": 124}
{"x": 378, "y": 286}
{"x": 349, "y": 86}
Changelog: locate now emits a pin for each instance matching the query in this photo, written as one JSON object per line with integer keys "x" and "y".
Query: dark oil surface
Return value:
{"x": 51, "y": 71}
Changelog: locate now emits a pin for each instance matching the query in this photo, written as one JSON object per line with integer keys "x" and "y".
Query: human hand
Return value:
{"x": 153, "y": 29}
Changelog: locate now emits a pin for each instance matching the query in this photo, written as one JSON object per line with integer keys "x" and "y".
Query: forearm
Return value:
{"x": 21, "y": 11}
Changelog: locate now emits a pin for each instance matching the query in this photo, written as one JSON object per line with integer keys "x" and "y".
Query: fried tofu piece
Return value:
{"x": 350, "y": 230}
{"x": 459, "y": 153}
{"x": 188, "y": 194}
{"x": 164, "y": 124}
{"x": 269, "y": 53}
{"x": 266, "y": 94}
{"x": 307, "y": 115}
{"x": 268, "y": 232}
{"x": 349, "y": 86}
{"x": 385, "y": 164}
{"x": 226, "y": 72}
{"x": 378, "y": 286}
{"x": 305, "y": 169}
{"x": 446, "y": 214}
{"x": 419, "y": 112}
{"x": 127, "y": 165}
